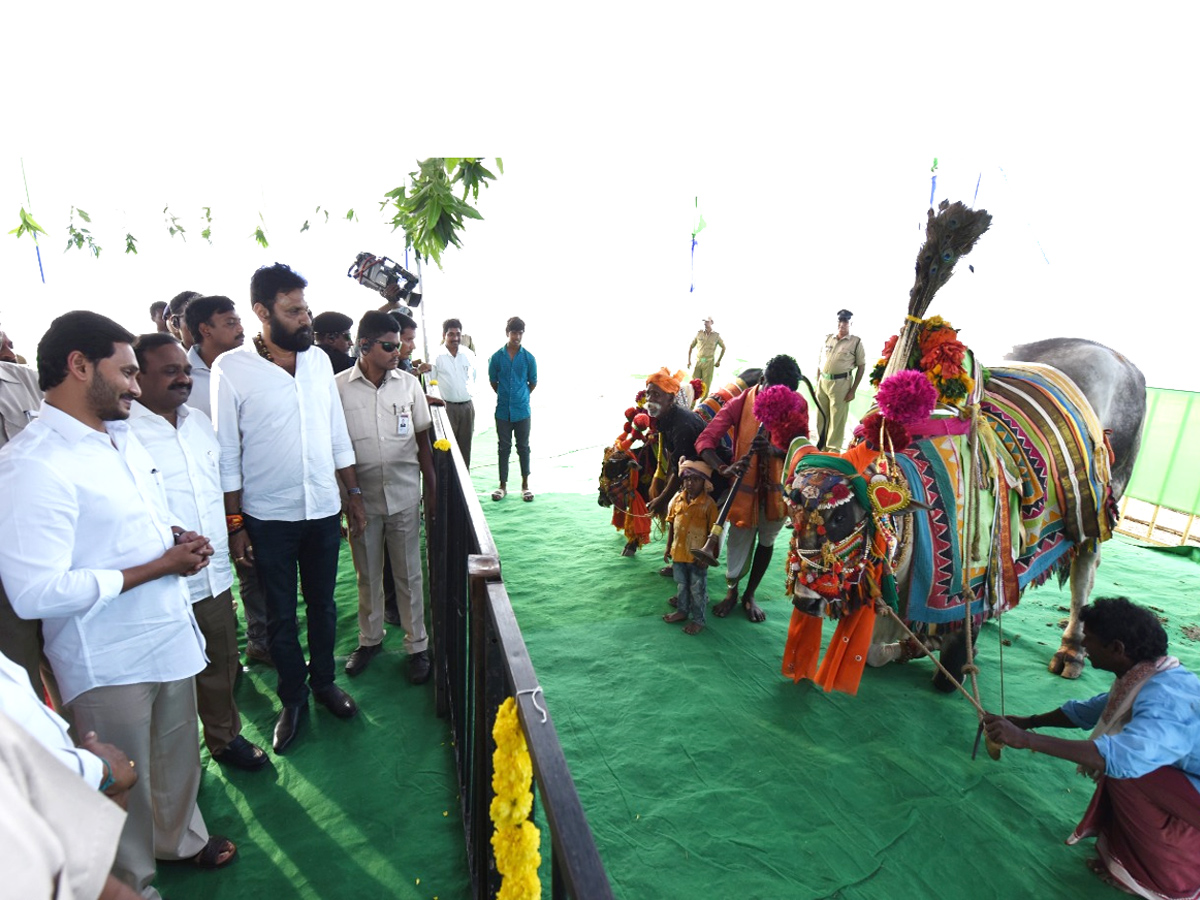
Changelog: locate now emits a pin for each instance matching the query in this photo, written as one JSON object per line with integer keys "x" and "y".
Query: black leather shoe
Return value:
{"x": 361, "y": 658}
{"x": 288, "y": 726}
{"x": 419, "y": 667}
{"x": 242, "y": 754}
{"x": 337, "y": 701}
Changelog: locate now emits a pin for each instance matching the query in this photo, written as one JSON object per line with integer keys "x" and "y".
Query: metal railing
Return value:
{"x": 479, "y": 660}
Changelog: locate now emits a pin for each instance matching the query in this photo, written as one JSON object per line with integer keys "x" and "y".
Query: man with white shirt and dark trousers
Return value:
{"x": 454, "y": 369}
{"x": 216, "y": 328}
{"x": 185, "y": 449}
{"x": 100, "y": 565}
{"x": 283, "y": 440}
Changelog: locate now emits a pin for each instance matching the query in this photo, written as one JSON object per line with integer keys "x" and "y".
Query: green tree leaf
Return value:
{"x": 350, "y": 217}
{"x": 261, "y": 237}
{"x": 499, "y": 165}
{"x": 28, "y": 226}
{"x": 304, "y": 227}
{"x": 130, "y": 244}
{"x": 83, "y": 215}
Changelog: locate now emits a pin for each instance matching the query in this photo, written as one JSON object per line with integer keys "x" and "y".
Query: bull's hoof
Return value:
{"x": 1067, "y": 663}
{"x": 630, "y": 549}
{"x": 953, "y": 657}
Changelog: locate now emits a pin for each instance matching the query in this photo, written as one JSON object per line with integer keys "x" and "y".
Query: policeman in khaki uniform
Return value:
{"x": 843, "y": 362}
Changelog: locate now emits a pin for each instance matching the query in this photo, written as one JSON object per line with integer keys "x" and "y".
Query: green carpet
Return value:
{"x": 366, "y": 807}
{"x": 703, "y": 772}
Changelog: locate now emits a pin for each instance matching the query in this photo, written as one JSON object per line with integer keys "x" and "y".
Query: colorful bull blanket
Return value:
{"x": 1045, "y": 453}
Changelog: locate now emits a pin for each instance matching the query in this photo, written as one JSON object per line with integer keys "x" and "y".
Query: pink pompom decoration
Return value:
{"x": 906, "y": 397}
{"x": 641, "y": 421}
{"x": 773, "y": 405}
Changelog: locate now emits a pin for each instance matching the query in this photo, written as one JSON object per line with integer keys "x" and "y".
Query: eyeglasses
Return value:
{"x": 388, "y": 346}
{"x": 175, "y": 320}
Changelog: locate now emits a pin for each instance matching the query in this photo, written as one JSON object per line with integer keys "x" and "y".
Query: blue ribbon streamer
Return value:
{"x": 693, "y": 285}
{"x": 976, "y": 197}
{"x": 39, "y": 256}
{"x": 932, "y": 189}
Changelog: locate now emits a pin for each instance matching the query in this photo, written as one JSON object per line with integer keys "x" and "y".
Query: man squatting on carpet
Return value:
{"x": 1143, "y": 752}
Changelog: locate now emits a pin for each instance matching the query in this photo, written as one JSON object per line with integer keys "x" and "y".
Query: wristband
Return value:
{"x": 234, "y": 523}
{"x": 354, "y": 491}
{"x": 109, "y": 780}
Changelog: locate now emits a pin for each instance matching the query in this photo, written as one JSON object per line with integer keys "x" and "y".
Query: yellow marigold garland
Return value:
{"x": 516, "y": 840}
{"x": 441, "y": 444}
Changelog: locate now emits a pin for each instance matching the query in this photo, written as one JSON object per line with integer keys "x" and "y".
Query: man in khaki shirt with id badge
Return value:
{"x": 843, "y": 362}
{"x": 388, "y": 418}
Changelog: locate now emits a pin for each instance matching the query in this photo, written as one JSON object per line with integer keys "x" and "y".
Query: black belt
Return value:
{"x": 835, "y": 377}
{"x": 458, "y": 402}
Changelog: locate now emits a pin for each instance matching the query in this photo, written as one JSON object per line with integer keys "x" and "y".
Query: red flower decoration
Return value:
{"x": 839, "y": 491}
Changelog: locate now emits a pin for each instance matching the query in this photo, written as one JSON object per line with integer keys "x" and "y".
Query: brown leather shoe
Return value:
{"x": 257, "y": 653}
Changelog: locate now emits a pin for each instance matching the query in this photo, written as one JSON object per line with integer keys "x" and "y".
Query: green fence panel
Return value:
{"x": 1166, "y": 473}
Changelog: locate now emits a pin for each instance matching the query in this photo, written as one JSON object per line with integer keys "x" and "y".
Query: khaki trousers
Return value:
{"x": 155, "y": 724}
{"x": 402, "y": 534}
{"x": 831, "y": 394}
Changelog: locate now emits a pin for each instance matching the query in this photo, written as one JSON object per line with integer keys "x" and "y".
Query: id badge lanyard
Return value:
{"x": 403, "y": 420}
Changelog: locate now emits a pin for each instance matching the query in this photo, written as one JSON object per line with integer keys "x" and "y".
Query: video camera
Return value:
{"x": 379, "y": 273}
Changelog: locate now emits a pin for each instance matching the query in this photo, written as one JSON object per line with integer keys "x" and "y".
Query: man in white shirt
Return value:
{"x": 182, "y": 443}
{"x": 100, "y": 565}
{"x": 454, "y": 369}
{"x": 389, "y": 423}
{"x": 20, "y": 639}
{"x": 283, "y": 438}
{"x": 216, "y": 328}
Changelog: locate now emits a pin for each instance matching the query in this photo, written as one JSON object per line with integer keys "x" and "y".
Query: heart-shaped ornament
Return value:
{"x": 888, "y": 496}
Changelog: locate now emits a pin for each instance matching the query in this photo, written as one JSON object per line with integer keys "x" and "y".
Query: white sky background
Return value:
{"x": 807, "y": 134}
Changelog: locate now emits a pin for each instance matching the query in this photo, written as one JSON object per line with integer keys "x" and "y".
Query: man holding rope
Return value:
{"x": 1143, "y": 752}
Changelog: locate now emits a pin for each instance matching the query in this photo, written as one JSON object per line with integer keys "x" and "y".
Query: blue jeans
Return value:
{"x": 692, "y": 580}
{"x": 504, "y": 435}
{"x": 279, "y": 548}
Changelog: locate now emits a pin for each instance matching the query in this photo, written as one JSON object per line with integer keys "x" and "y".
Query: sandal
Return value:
{"x": 499, "y": 494}
{"x": 217, "y": 853}
{"x": 527, "y": 495}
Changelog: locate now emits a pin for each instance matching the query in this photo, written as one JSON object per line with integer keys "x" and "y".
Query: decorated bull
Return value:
{"x": 947, "y": 519}
{"x": 626, "y": 473}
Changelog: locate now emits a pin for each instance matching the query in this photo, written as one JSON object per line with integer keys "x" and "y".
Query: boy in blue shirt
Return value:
{"x": 512, "y": 371}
